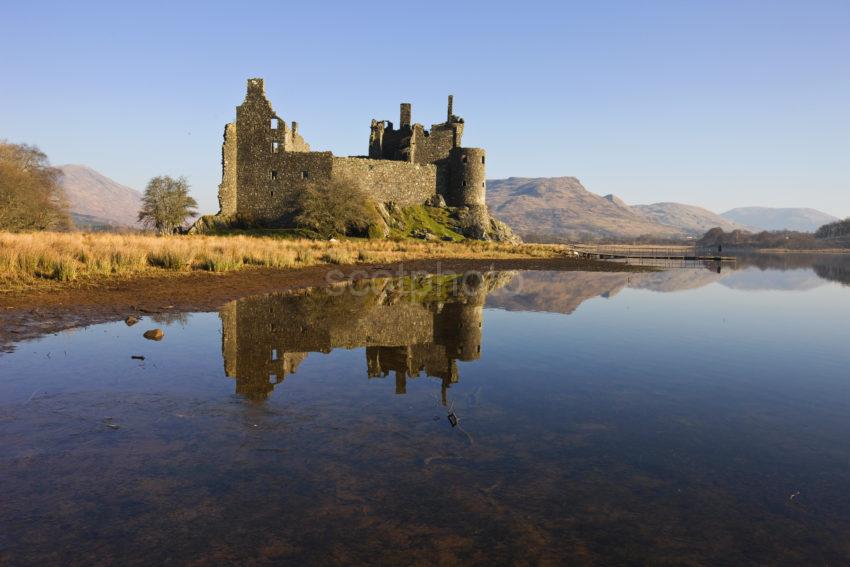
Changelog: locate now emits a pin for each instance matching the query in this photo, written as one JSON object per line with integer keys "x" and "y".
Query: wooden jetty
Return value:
{"x": 637, "y": 252}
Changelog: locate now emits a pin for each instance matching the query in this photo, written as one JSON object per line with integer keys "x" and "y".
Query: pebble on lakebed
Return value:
{"x": 154, "y": 335}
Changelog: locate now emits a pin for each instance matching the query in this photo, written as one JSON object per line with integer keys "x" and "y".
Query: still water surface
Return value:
{"x": 682, "y": 417}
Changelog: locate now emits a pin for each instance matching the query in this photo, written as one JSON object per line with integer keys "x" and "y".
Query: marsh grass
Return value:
{"x": 31, "y": 259}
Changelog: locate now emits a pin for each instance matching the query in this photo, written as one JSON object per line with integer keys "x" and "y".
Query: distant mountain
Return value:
{"x": 98, "y": 202}
{"x": 692, "y": 220}
{"x": 616, "y": 200}
{"x": 562, "y": 207}
{"x": 767, "y": 218}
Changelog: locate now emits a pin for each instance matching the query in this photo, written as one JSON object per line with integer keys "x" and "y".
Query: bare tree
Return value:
{"x": 167, "y": 204}
{"x": 30, "y": 195}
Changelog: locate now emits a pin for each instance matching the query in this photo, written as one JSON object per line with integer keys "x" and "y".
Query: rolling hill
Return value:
{"x": 97, "y": 201}
{"x": 561, "y": 208}
{"x": 767, "y": 218}
{"x": 689, "y": 218}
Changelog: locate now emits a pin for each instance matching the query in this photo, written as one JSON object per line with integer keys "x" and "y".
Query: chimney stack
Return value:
{"x": 404, "y": 117}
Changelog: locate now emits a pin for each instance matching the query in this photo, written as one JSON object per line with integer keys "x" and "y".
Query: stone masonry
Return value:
{"x": 265, "y": 160}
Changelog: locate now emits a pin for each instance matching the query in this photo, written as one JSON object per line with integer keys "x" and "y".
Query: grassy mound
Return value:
{"x": 422, "y": 222}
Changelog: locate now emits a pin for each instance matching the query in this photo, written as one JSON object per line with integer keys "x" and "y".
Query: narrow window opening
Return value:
{"x": 275, "y": 123}
{"x": 305, "y": 174}
{"x": 482, "y": 183}
{"x": 272, "y": 378}
{"x": 275, "y": 147}
{"x": 482, "y": 159}
{"x": 272, "y": 192}
{"x": 274, "y": 174}
{"x": 463, "y": 184}
{"x": 274, "y": 354}
{"x": 464, "y": 159}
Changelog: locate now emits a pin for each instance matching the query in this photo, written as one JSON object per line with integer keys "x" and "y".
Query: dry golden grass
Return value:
{"x": 34, "y": 259}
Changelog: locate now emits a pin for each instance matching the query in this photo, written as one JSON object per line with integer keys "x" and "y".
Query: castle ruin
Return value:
{"x": 265, "y": 160}
{"x": 403, "y": 330}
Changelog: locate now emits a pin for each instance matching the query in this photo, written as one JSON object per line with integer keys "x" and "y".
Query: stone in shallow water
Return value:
{"x": 154, "y": 335}
{"x": 131, "y": 320}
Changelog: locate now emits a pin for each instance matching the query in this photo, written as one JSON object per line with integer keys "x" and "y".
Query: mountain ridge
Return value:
{"x": 561, "y": 208}
{"x": 803, "y": 219}
{"x": 96, "y": 199}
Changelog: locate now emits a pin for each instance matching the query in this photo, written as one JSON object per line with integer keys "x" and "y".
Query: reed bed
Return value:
{"x": 32, "y": 259}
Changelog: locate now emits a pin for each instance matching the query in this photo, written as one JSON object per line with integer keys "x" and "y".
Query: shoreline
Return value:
{"x": 33, "y": 313}
{"x": 793, "y": 251}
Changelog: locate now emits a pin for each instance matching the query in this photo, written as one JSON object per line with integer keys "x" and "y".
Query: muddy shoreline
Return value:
{"x": 29, "y": 314}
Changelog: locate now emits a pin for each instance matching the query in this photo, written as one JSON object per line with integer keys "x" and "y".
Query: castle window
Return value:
{"x": 482, "y": 183}
{"x": 272, "y": 378}
{"x": 464, "y": 159}
{"x": 274, "y": 174}
{"x": 463, "y": 183}
{"x": 305, "y": 174}
{"x": 275, "y": 123}
{"x": 272, "y": 193}
{"x": 274, "y": 354}
{"x": 482, "y": 159}
{"x": 275, "y": 146}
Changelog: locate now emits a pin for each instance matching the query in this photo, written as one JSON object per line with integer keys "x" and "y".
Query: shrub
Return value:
{"x": 339, "y": 207}
{"x": 219, "y": 264}
{"x": 168, "y": 259}
{"x": 338, "y": 257}
{"x": 62, "y": 269}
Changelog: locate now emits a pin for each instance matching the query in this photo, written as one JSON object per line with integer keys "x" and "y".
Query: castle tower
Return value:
{"x": 467, "y": 185}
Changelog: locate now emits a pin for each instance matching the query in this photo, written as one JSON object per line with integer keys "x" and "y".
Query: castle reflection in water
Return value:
{"x": 413, "y": 325}
{"x": 408, "y": 326}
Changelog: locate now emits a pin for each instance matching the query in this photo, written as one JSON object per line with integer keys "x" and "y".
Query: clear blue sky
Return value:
{"x": 716, "y": 103}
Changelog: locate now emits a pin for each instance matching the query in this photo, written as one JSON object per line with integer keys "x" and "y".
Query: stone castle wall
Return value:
{"x": 265, "y": 162}
{"x": 227, "y": 194}
{"x": 402, "y": 182}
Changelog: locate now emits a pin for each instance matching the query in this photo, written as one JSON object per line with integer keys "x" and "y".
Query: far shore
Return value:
{"x": 793, "y": 251}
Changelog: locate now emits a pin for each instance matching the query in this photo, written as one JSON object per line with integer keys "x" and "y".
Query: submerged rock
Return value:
{"x": 154, "y": 335}
{"x": 131, "y": 320}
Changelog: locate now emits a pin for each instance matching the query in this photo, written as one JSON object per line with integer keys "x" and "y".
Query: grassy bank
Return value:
{"x": 45, "y": 259}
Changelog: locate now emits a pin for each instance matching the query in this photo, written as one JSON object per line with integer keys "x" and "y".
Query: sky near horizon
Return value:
{"x": 714, "y": 103}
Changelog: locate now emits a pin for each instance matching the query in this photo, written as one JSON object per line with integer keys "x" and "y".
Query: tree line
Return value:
{"x": 32, "y": 198}
{"x": 30, "y": 195}
{"x": 837, "y": 229}
{"x": 832, "y": 235}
